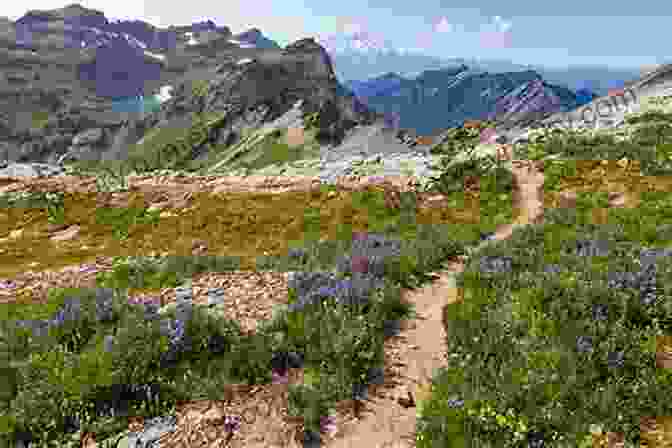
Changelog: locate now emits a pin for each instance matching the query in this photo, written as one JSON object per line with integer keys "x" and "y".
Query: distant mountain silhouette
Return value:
{"x": 437, "y": 99}
{"x": 359, "y": 56}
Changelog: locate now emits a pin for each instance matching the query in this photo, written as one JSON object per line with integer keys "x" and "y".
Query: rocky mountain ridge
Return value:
{"x": 438, "y": 99}
{"x": 62, "y": 76}
{"x": 226, "y": 102}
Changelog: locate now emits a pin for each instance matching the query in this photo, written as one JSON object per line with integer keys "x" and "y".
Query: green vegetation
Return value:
{"x": 40, "y": 119}
{"x": 311, "y": 121}
{"x": 528, "y": 351}
{"x": 516, "y": 365}
{"x": 243, "y": 225}
{"x": 268, "y": 150}
{"x": 199, "y": 87}
{"x": 520, "y": 327}
{"x": 172, "y": 147}
{"x": 460, "y": 139}
{"x": 166, "y": 148}
{"x": 200, "y": 374}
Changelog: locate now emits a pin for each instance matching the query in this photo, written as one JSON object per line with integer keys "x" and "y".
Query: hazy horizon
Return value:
{"x": 570, "y": 34}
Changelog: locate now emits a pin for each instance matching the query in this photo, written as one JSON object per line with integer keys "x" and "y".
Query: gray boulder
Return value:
{"x": 29, "y": 170}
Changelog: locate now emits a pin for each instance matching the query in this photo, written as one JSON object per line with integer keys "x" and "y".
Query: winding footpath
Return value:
{"x": 414, "y": 356}
{"x": 388, "y": 418}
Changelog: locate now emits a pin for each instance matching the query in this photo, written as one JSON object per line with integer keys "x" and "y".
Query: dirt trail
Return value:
{"x": 413, "y": 356}
{"x": 388, "y": 418}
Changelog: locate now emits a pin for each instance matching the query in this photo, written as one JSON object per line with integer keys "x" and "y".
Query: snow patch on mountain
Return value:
{"x": 155, "y": 56}
{"x": 359, "y": 42}
{"x": 191, "y": 40}
{"x": 240, "y": 44}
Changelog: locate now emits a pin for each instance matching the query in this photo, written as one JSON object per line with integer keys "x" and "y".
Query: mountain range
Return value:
{"x": 75, "y": 86}
{"x": 361, "y": 55}
{"x": 66, "y": 71}
{"x": 447, "y": 97}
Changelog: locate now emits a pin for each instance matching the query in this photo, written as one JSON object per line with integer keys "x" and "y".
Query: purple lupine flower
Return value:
{"x": 69, "y": 311}
{"x": 359, "y": 236}
{"x": 359, "y": 264}
{"x": 552, "y": 268}
{"x": 88, "y": 268}
{"x": 58, "y": 320}
{"x": 297, "y": 253}
{"x": 344, "y": 285}
{"x": 231, "y": 425}
{"x": 328, "y": 424}
{"x": 7, "y": 284}
{"x": 280, "y": 377}
{"x": 488, "y": 135}
{"x": 326, "y": 291}
{"x": 178, "y": 330}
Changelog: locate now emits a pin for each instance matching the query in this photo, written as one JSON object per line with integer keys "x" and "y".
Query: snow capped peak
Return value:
{"x": 103, "y": 38}
{"x": 356, "y": 41}
{"x": 134, "y": 42}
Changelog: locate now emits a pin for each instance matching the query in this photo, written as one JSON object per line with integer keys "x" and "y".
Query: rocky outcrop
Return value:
{"x": 531, "y": 100}
{"x": 255, "y": 38}
{"x": 62, "y": 81}
{"x": 610, "y": 111}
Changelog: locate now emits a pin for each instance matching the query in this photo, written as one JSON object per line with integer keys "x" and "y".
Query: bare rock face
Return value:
{"x": 75, "y": 86}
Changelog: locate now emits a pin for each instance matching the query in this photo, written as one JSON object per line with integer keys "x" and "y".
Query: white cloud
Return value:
{"x": 443, "y": 26}
{"x": 501, "y": 25}
{"x": 352, "y": 28}
{"x": 496, "y": 34}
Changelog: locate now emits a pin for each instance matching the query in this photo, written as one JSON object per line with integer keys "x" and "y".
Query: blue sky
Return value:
{"x": 554, "y": 34}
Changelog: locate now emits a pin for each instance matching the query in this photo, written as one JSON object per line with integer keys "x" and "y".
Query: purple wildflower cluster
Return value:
{"x": 71, "y": 311}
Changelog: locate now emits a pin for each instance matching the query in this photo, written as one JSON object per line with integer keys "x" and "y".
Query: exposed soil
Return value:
{"x": 414, "y": 356}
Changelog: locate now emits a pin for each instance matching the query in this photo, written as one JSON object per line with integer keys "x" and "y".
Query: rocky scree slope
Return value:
{"x": 61, "y": 79}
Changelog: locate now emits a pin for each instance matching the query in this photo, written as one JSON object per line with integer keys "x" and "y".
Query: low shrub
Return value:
{"x": 575, "y": 341}
{"x": 208, "y": 353}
